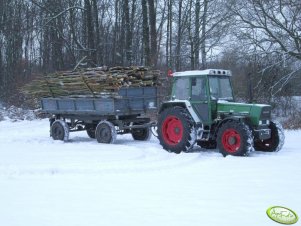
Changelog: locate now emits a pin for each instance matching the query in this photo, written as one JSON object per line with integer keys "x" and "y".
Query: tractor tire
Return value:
{"x": 59, "y": 130}
{"x": 91, "y": 131}
{"x": 143, "y": 134}
{"x": 105, "y": 132}
{"x": 275, "y": 143}
{"x": 176, "y": 132}
{"x": 210, "y": 144}
{"x": 234, "y": 138}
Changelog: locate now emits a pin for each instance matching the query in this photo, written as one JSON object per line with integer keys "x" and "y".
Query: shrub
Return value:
{"x": 293, "y": 121}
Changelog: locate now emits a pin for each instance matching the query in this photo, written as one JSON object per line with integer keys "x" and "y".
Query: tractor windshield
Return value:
{"x": 220, "y": 88}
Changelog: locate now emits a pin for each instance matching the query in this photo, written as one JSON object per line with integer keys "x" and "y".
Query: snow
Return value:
{"x": 81, "y": 182}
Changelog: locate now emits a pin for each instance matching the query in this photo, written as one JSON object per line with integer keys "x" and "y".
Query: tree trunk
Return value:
{"x": 131, "y": 34}
{"x": 90, "y": 33}
{"x": 179, "y": 38}
{"x": 128, "y": 34}
{"x": 98, "y": 47}
{"x": 169, "y": 35}
{"x": 145, "y": 29}
{"x": 190, "y": 37}
{"x": 203, "y": 39}
{"x": 153, "y": 33}
{"x": 115, "y": 33}
{"x": 197, "y": 35}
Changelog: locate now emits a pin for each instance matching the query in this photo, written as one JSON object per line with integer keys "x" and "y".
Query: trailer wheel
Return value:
{"x": 59, "y": 130}
{"x": 234, "y": 138}
{"x": 143, "y": 134}
{"x": 91, "y": 131}
{"x": 176, "y": 132}
{"x": 105, "y": 132}
{"x": 275, "y": 143}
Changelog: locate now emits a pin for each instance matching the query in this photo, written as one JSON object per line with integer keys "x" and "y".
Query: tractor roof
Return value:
{"x": 203, "y": 72}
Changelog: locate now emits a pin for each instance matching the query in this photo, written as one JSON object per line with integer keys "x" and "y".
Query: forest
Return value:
{"x": 259, "y": 40}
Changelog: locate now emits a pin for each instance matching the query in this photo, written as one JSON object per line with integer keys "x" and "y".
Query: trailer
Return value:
{"x": 103, "y": 117}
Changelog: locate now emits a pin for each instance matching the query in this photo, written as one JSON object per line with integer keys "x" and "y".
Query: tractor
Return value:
{"x": 202, "y": 110}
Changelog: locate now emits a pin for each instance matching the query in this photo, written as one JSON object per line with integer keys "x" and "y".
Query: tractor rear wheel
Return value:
{"x": 275, "y": 143}
{"x": 234, "y": 138}
{"x": 176, "y": 132}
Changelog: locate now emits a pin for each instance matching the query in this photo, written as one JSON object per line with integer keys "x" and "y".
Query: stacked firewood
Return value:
{"x": 92, "y": 82}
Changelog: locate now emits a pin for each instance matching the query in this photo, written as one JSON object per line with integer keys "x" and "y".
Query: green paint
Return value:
{"x": 251, "y": 111}
{"x": 282, "y": 215}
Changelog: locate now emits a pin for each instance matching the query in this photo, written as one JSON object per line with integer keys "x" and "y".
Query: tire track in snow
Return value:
{"x": 134, "y": 166}
{"x": 28, "y": 150}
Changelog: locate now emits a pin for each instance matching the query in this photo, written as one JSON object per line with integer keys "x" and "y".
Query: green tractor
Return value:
{"x": 202, "y": 111}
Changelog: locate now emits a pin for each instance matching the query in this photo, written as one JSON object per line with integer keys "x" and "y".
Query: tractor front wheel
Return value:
{"x": 275, "y": 143}
{"x": 234, "y": 138}
{"x": 175, "y": 130}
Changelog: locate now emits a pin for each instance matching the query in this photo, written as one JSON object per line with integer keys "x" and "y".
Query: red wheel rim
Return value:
{"x": 231, "y": 140}
{"x": 172, "y": 130}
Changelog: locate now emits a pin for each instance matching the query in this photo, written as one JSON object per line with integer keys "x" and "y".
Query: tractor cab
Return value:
{"x": 203, "y": 89}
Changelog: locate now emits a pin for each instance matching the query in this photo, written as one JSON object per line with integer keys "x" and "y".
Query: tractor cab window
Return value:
{"x": 181, "y": 89}
{"x": 220, "y": 88}
{"x": 198, "y": 89}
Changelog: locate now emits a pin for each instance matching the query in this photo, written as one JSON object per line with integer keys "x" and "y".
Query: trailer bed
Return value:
{"x": 129, "y": 101}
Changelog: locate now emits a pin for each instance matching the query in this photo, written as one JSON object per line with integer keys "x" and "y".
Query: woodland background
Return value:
{"x": 259, "y": 40}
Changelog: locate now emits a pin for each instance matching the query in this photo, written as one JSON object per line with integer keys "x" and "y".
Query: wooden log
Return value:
{"x": 92, "y": 81}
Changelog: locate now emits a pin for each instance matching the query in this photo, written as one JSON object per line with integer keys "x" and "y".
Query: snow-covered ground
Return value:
{"x": 83, "y": 183}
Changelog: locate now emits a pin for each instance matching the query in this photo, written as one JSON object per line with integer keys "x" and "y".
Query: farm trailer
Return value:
{"x": 103, "y": 117}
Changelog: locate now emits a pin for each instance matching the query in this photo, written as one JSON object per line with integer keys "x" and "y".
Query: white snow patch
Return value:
{"x": 81, "y": 182}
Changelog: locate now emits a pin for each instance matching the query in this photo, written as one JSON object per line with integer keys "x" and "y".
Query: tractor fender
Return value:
{"x": 181, "y": 103}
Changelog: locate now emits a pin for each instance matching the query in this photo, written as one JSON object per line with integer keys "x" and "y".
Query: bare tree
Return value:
{"x": 271, "y": 30}
{"x": 276, "y": 24}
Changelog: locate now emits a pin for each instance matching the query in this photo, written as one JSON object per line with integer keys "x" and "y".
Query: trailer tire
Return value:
{"x": 176, "y": 132}
{"x": 105, "y": 132}
{"x": 143, "y": 134}
{"x": 59, "y": 130}
{"x": 275, "y": 143}
{"x": 91, "y": 131}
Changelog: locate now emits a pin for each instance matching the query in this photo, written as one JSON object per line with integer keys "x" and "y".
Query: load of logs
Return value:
{"x": 91, "y": 82}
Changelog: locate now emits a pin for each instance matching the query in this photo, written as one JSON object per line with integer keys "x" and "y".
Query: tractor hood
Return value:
{"x": 255, "y": 112}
